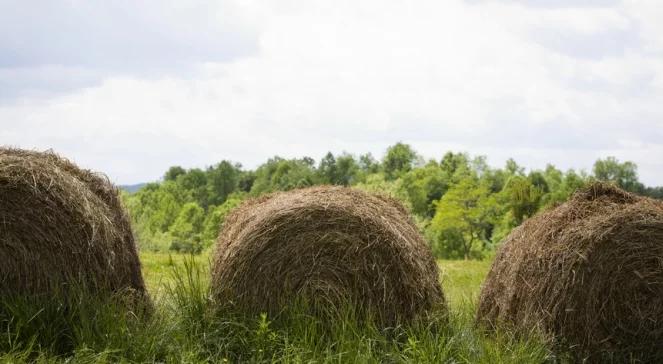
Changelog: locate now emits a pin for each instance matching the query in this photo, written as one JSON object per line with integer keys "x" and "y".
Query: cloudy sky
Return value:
{"x": 130, "y": 88}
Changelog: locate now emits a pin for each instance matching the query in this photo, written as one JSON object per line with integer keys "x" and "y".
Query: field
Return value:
{"x": 182, "y": 328}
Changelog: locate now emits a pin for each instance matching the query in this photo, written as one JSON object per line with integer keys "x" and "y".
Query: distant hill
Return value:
{"x": 132, "y": 188}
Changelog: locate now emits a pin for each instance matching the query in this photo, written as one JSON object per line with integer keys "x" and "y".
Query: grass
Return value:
{"x": 183, "y": 328}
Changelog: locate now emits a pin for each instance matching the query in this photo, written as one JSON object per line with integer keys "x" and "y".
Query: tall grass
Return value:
{"x": 186, "y": 326}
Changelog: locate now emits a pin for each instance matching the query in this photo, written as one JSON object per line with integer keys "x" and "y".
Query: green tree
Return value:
{"x": 173, "y": 172}
{"x": 554, "y": 177}
{"x": 513, "y": 169}
{"x": 338, "y": 171}
{"x": 215, "y": 218}
{"x": 654, "y": 192}
{"x": 624, "y": 175}
{"x": 187, "y": 228}
{"x": 480, "y": 166}
{"x": 423, "y": 186}
{"x": 368, "y": 164}
{"x": 456, "y": 166}
{"x": 574, "y": 180}
{"x": 464, "y": 217}
{"x": 561, "y": 185}
{"x": 246, "y": 180}
{"x": 222, "y": 180}
{"x": 377, "y": 183}
{"x": 195, "y": 181}
{"x": 347, "y": 170}
{"x": 279, "y": 174}
{"x": 453, "y": 200}
{"x": 327, "y": 168}
{"x": 523, "y": 197}
{"x": 399, "y": 159}
{"x": 156, "y": 205}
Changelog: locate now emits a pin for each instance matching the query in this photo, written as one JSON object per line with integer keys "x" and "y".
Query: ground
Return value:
{"x": 461, "y": 279}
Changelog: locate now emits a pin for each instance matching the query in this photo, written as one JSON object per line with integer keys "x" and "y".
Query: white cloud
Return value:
{"x": 52, "y": 47}
{"x": 356, "y": 76}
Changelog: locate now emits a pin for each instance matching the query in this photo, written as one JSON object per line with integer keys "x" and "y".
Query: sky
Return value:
{"x": 130, "y": 88}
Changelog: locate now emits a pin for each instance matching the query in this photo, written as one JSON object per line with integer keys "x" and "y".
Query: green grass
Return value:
{"x": 184, "y": 328}
{"x": 461, "y": 280}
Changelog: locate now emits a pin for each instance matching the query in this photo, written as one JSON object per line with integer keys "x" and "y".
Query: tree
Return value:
{"x": 480, "y": 166}
{"x": 222, "y": 180}
{"x": 399, "y": 159}
{"x": 554, "y": 177}
{"x": 327, "y": 168}
{"x": 654, "y": 192}
{"x": 215, "y": 218}
{"x": 456, "y": 166}
{"x": 246, "y": 181}
{"x": 376, "y": 183}
{"x": 195, "y": 181}
{"x": 423, "y": 186}
{"x": 347, "y": 170}
{"x": 338, "y": 171}
{"x": 523, "y": 195}
{"x": 464, "y": 217}
{"x": 279, "y": 174}
{"x": 157, "y": 205}
{"x": 460, "y": 201}
{"x": 368, "y": 164}
{"x": 624, "y": 175}
{"x": 293, "y": 174}
{"x": 513, "y": 169}
{"x": 173, "y": 172}
{"x": 186, "y": 229}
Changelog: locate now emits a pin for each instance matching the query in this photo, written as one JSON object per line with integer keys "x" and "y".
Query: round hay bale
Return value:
{"x": 588, "y": 274}
{"x": 62, "y": 227}
{"x": 331, "y": 246}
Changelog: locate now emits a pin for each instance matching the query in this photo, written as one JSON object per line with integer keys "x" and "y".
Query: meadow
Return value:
{"x": 184, "y": 327}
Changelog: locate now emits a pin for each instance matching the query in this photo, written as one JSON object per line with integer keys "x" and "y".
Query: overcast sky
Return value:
{"x": 130, "y": 88}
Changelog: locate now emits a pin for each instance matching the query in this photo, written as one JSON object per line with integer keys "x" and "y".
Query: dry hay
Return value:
{"x": 588, "y": 273}
{"x": 328, "y": 245}
{"x": 61, "y": 226}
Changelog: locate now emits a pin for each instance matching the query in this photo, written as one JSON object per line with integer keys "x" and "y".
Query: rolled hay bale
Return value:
{"x": 588, "y": 274}
{"x": 330, "y": 246}
{"x": 62, "y": 227}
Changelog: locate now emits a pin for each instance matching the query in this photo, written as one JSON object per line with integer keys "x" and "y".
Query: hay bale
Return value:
{"x": 61, "y": 226}
{"x": 331, "y": 246}
{"x": 588, "y": 273}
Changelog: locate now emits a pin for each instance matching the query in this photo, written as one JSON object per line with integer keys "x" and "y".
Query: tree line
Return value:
{"x": 463, "y": 206}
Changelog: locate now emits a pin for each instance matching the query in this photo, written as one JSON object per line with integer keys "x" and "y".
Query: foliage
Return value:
{"x": 399, "y": 159}
{"x": 377, "y": 183}
{"x": 214, "y": 220}
{"x": 196, "y": 181}
{"x": 185, "y": 231}
{"x": 523, "y": 197}
{"x": 423, "y": 186}
{"x": 280, "y": 174}
{"x": 624, "y": 175}
{"x": 173, "y": 172}
{"x": 368, "y": 164}
{"x": 515, "y": 194}
{"x": 655, "y": 192}
{"x": 464, "y": 217}
{"x": 341, "y": 171}
{"x": 223, "y": 179}
{"x": 561, "y": 185}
